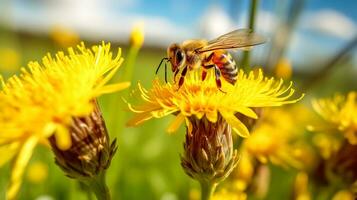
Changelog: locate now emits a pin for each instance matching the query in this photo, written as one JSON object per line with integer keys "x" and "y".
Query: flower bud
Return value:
{"x": 137, "y": 35}
{"x": 208, "y": 150}
{"x": 90, "y": 153}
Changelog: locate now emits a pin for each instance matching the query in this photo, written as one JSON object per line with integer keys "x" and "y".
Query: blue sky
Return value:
{"x": 186, "y": 11}
{"x": 324, "y": 25}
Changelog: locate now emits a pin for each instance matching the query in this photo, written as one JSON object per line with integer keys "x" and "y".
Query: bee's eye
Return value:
{"x": 179, "y": 56}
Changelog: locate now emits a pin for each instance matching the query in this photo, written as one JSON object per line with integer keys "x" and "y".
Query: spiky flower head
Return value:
{"x": 197, "y": 98}
{"x": 339, "y": 113}
{"x": 45, "y": 98}
{"x": 210, "y": 115}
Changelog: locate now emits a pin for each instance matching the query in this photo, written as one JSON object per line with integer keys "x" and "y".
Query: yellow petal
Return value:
{"x": 236, "y": 124}
{"x": 19, "y": 167}
{"x": 248, "y": 112}
{"x": 139, "y": 118}
{"x": 212, "y": 116}
{"x": 189, "y": 126}
{"x": 175, "y": 124}
{"x": 113, "y": 88}
{"x": 63, "y": 137}
{"x": 112, "y": 72}
{"x": 8, "y": 151}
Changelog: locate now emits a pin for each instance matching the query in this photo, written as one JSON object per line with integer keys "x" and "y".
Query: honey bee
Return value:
{"x": 193, "y": 54}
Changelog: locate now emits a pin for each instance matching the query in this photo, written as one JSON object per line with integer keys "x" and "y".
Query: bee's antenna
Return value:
{"x": 166, "y": 72}
{"x": 158, "y": 67}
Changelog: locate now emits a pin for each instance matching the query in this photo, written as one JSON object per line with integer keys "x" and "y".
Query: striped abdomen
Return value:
{"x": 227, "y": 66}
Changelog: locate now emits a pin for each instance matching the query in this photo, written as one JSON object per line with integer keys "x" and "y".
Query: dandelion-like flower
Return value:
{"x": 202, "y": 98}
{"x": 340, "y": 112}
{"x": 45, "y": 99}
{"x": 210, "y": 117}
{"x": 337, "y": 150}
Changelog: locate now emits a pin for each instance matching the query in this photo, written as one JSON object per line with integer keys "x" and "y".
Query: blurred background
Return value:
{"x": 310, "y": 41}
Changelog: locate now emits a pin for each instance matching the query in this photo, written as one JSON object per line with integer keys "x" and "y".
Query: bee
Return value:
{"x": 194, "y": 54}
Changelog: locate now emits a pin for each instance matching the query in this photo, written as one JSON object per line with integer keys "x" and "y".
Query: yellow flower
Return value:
{"x": 283, "y": 68}
{"x": 64, "y": 36}
{"x": 44, "y": 98}
{"x": 37, "y": 172}
{"x": 137, "y": 35}
{"x": 229, "y": 195}
{"x": 326, "y": 144}
{"x": 301, "y": 190}
{"x": 344, "y": 195}
{"x": 340, "y": 113}
{"x": 279, "y": 137}
{"x": 243, "y": 174}
{"x": 202, "y": 98}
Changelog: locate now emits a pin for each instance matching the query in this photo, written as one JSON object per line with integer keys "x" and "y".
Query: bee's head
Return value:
{"x": 176, "y": 56}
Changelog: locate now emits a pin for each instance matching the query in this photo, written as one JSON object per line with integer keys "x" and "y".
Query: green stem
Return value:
{"x": 117, "y": 102}
{"x": 84, "y": 187}
{"x": 89, "y": 195}
{"x": 98, "y": 185}
{"x": 207, "y": 190}
{"x": 252, "y": 17}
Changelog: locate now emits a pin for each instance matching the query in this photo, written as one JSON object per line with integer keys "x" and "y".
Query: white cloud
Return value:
{"x": 92, "y": 20}
{"x": 330, "y": 22}
{"x": 267, "y": 21}
{"x": 214, "y": 22}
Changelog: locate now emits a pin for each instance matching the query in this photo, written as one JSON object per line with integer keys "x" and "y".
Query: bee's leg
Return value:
{"x": 175, "y": 74}
{"x": 218, "y": 78}
{"x": 208, "y": 58}
{"x": 204, "y": 72}
{"x": 182, "y": 77}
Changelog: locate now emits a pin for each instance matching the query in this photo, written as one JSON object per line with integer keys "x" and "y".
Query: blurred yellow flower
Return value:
{"x": 202, "y": 98}
{"x": 279, "y": 137}
{"x": 9, "y": 59}
{"x": 301, "y": 190}
{"x": 43, "y": 99}
{"x": 37, "y": 172}
{"x": 137, "y": 35}
{"x": 224, "y": 194}
{"x": 194, "y": 194}
{"x": 327, "y": 145}
{"x": 243, "y": 173}
{"x": 283, "y": 69}
{"x": 64, "y": 36}
{"x": 340, "y": 112}
{"x": 344, "y": 195}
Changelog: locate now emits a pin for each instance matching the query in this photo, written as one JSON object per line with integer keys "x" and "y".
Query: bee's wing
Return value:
{"x": 240, "y": 38}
